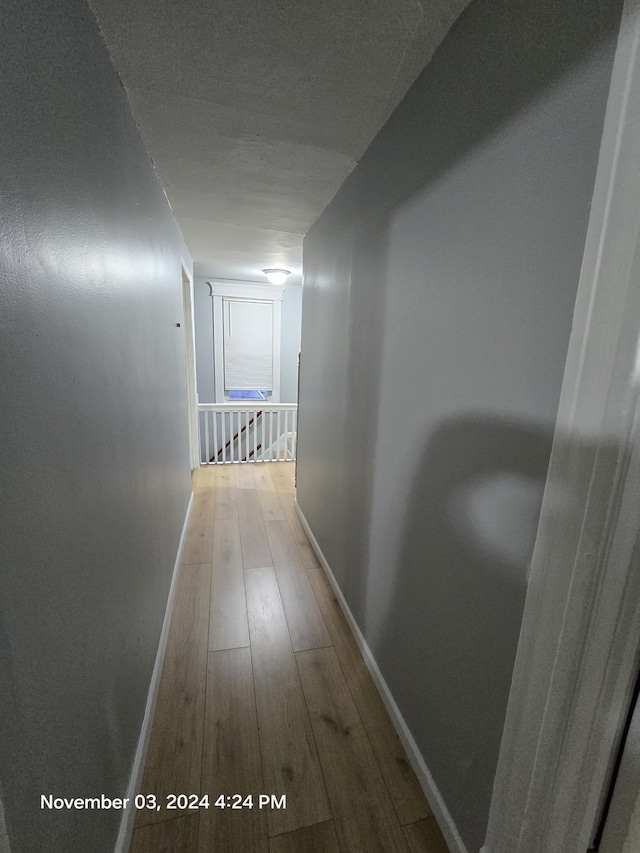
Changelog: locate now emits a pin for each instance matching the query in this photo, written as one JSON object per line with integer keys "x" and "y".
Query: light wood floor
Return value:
{"x": 264, "y": 691}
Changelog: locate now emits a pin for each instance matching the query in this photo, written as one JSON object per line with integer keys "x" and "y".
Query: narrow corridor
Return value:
{"x": 264, "y": 692}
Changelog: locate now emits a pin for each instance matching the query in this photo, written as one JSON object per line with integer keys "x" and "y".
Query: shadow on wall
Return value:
{"x": 470, "y": 526}
{"x": 468, "y": 537}
{"x": 469, "y": 98}
{"x": 420, "y": 315}
{"x": 365, "y": 339}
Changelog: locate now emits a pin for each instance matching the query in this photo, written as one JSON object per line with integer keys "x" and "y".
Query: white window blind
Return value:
{"x": 248, "y": 344}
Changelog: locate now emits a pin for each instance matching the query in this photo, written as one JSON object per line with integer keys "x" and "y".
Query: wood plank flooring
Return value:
{"x": 264, "y": 691}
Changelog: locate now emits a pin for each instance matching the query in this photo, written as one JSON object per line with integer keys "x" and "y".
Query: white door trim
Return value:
{"x": 580, "y": 639}
{"x": 190, "y": 353}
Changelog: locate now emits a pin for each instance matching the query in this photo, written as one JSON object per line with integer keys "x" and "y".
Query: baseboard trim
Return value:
{"x": 427, "y": 782}
{"x": 135, "y": 780}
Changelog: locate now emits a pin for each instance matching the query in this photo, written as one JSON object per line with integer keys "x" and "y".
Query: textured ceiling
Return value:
{"x": 255, "y": 111}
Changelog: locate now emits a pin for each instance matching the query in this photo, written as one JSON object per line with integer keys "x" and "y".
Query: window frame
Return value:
{"x": 252, "y": 292}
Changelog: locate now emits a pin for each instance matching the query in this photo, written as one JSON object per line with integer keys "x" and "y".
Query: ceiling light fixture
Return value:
{"x": 276, "y": 276}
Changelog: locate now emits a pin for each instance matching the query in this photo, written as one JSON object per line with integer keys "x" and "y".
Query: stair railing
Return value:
{"x": 241, "y": 432}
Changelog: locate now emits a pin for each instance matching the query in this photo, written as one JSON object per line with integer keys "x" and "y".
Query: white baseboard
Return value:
{"x": 135, "y": 780}
{"x": 427, "y": 782}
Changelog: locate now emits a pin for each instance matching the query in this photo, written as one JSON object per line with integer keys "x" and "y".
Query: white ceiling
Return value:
{"x": 255, "y": 111}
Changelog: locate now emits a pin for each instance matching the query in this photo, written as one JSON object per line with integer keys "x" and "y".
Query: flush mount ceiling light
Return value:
{"x": 276, "y": 276}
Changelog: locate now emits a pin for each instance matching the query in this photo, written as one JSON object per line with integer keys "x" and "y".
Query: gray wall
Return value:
{"x": 289, "y": 342}
{"x": 93, "y": 425}
{"x": 438, "y": 295}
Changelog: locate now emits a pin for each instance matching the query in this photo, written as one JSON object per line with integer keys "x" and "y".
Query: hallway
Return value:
{"x": 264, "y": 691}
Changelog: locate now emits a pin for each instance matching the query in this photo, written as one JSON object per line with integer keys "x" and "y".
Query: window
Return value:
{"x": 246, "y": 337}
{"x": 248, "y": 345}
{"x": 249, "y": 394}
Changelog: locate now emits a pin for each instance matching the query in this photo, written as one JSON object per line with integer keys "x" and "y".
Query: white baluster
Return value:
{"x": 278, "y": 428}
{"x": 224, "y": 437}
{"x": 255, "y": 436}
{"x": 246, "y": 437}
{"x": 294, "y": 437}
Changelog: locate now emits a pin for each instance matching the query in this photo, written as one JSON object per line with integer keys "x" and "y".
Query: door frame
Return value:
{"x": 579, "y": 645}
{"x": 190, "y": 364}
